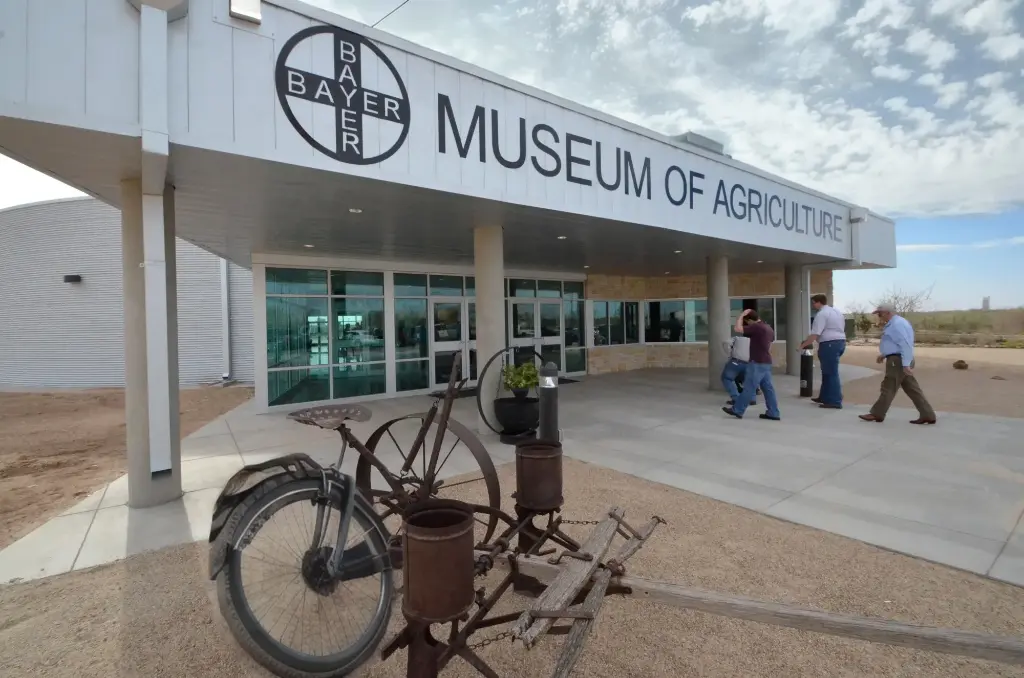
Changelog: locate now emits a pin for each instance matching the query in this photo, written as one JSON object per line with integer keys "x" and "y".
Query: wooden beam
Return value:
{"x": 1004, "y": 649}
{"x": 569, "y": 579}
{"x": 577, "y": 637}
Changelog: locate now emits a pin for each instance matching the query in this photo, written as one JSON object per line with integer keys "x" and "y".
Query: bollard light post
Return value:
{"x": 547, "y": 394}
{"x": 806, "y": 373}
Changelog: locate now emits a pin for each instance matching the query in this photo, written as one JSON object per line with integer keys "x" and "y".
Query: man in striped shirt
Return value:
{"x": 829, "y": 330}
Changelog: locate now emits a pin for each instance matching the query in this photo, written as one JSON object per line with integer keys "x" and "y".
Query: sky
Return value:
{"x": 911, "y": 107}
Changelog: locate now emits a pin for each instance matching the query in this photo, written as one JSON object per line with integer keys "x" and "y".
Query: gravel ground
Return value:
{"x": 57, "y": 447}
{"x": 993, "y": 384}
{"x": 151, "y": 615}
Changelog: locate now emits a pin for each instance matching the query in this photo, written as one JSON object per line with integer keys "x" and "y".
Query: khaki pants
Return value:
{"x": 895, "y": 379}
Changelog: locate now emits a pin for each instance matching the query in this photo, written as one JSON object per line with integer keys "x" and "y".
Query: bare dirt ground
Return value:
{"x": 973, "y": 391}
{"x": 151, "y": 615}
{"x": 57, "y": 447}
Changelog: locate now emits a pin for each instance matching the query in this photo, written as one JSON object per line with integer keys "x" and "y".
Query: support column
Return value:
{"x": 152, "y": 409}
{"x": 794, "y": 317}
{"x": 718, "y": 317}
{"x": 489, "y": 261}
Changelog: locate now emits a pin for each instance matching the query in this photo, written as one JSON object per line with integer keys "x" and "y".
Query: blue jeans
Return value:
{"x": 758, "y": 375}
{"x": 732, "y": 371}
{"x": 829, "y": 353}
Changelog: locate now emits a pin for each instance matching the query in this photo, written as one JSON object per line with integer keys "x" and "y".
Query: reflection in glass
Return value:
{"x": 358, "y": 330}
{"x": 472, "y": 321}
{"x": 550, "y": 320}
{"x": 551, "y": 354}
{"x": 410, "y": 285}
{"x": 357, "y": 283}
{"x": 411, "y": 339}
{"x": 286, "y": 387}
{"x": 616, "y": 323}
{"x": 574, "y": 312}
{"x": 443, "y": 363}
{"x": 351, "y": 381}
{"x": 472, "y": 364}
{"x": 766, "y": 310}
{"x": 523, "y": 321}
{"x": 575, "y": 360}
{"x": 412, "y": 375}
{"x": 665, "y": 321}
{"x": 296, "y": 281}
{"x": 699, "y": 314}
{"x": 601, "y": 323}
{"x": 780, "y": 319}
{"x": 549, "y": 288}
{"x": 446, "y": 285}
{"x": 631, "y": 311}
{"x": 523, "y": 354}
{"x": 470, "y": 286}
{"x": 572, "y": 290}
{"x": 448, "y": 321}
{"x": 518, "y": 287}
{"x": 297, "y": 331}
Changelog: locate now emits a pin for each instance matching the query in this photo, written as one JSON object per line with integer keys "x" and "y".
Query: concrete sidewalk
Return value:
{"x": 952, "y": 493}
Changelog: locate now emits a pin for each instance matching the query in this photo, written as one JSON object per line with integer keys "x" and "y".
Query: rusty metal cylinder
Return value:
{"x": 539, "y": 475}
{"x": 438, "y": 561}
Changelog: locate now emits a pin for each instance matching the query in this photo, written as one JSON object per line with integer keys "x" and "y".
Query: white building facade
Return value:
{"x": 394, "y": 205}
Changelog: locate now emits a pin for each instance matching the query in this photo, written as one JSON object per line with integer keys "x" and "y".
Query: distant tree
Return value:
{"x": 904, "y": 302}
{"x": 856, "y": 309}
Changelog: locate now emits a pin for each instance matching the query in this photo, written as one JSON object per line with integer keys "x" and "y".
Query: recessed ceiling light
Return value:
{"x": 309, "y": 246}
{"x": 679, "y": 251}
{"x": 355, "y": 210}
{"x": 586, "y": 267}
{"x": 561, "y": 237}
{"x": 760, "y": 261}
{"x": 668, "y": 272}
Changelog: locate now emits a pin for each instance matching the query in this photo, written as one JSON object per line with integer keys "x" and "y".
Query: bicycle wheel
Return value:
{"x": 276, "y": 596}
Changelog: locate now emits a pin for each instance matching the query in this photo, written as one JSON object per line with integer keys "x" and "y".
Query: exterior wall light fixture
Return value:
{"x": 73, "y": 278}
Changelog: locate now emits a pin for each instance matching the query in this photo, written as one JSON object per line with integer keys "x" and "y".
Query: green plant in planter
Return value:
{"x": 520, "y": 378}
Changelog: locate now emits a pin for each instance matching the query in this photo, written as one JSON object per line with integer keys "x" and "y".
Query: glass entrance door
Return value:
{"x": 536, "y": 326}
{"x": 453, "y": 323}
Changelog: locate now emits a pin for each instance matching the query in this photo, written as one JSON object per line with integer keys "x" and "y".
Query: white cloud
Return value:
{"x": 873, "y": 45}
{"x": 993, "y": 17}
{"x": 935, "y": 51}
{"x": 992, "y": 80}
{"x": 979, "y": 245}
{"x": 881, "y": 14}
{"x": 1003, "y": 47}
{"x": 798, "y": 20}
{"x": 947, "y": 94}
{"x": 892, "y": 72}
{"x": 949, "y": 7}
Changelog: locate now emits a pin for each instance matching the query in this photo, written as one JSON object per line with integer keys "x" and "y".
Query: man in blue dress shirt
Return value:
{"x": 896, "y": 350}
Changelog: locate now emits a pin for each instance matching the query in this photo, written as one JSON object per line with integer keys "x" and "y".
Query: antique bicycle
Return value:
{"x": 317, "y": 542}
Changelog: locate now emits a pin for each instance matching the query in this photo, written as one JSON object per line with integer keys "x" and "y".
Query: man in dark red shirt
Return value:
{"x": 759, "y": 369}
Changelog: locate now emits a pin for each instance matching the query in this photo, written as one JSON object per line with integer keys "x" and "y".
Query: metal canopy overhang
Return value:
{"x": 235, "y": 206}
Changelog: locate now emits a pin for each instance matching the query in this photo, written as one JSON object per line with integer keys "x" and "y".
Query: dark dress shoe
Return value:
{"x": 922, "y": 421}
{"x": 816, "y": 400}
{"x": 765, "y": 416}
{"x": 830, "y": 406}
{"x": 871, "y": 417}
{"x": 731, "y": 412}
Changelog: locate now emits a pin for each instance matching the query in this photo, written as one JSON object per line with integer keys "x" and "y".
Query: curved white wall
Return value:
{"x": 57, "y": 334}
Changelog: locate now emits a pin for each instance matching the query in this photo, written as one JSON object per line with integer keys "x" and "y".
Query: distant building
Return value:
{"x": 986, "y": 303}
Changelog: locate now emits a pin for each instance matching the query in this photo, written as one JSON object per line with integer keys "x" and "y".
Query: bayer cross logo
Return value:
{"x": 342, "y": 91}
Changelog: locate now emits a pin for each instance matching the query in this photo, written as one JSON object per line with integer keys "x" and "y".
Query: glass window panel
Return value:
{"x": 296, "y": 281}
{"x": 616, "y": 323}
{"x": 358, "y": 330}
{"x": 446, "y": 285}
{"x": 470, "y": 286}
{"x": 411, "y": 338}
{"x": 574, "y": 312}
{"x": 551, "y": 353}
{"x": 410, "y": 284}
{"x": 522, "y": 288}
{"x": 549, "y": 288}
{"x": 766, "y": 310}
{"x": 632, "y": 317}
{"x": 448, "y": 321}
{"x": 357, "y": 380}
{"x": 472, "y": 364}
{"x": 780, "y": 319}
{"x": 287, "y": 387}
{"x": 523, "y": 321}
{"x": 572, "y": 290}
{"x": 297, "y": 332}
{"x": 357, "y": 283}
{"x": 665, "y": 321}
{"x": 575, "y": 360}
{"x": 523, "y": 354}
{"x": 444, "y": 362}
{"x": 550, "y": 320}
{"x": 412, "y": 375}
{"x": 472, "y": 321}
{"x": 698, "y": 311}
{"x": 601, "y": 323}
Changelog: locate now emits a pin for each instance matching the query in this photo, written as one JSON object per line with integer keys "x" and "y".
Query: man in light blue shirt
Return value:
{"x": 896, "y": 350}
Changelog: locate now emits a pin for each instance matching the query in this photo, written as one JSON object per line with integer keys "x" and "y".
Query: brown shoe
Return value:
{"x": 870, "y": 417}
{"x": 922, "y": 421}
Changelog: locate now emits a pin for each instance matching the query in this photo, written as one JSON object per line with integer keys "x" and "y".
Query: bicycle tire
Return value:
{"x": 234, "y": 606}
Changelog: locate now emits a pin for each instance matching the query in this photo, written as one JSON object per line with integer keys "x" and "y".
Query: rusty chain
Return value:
{"x": 488, "y": 641}
{"x": 581, "y": 522}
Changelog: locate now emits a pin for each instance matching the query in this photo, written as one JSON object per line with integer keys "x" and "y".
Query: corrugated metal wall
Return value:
{"x": 56, "y": 334}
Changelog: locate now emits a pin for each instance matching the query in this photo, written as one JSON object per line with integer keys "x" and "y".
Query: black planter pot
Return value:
{"x": 517, "y": 415}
